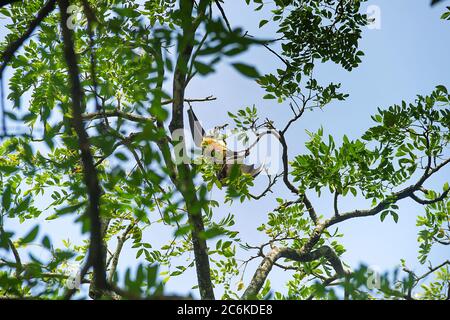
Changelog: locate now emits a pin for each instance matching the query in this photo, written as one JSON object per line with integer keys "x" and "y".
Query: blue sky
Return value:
{"x": 409, "y": 55}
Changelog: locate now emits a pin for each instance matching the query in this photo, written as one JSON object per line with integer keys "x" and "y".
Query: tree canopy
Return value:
{"x": 98, "y": 92}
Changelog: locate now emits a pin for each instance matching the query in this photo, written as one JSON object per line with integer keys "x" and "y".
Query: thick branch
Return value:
{"x": 261, "y": 274}
{"x": 120, "y": 242}
{"x": 309, "y": 208}
{"x": 289, "y": 185}
{"x": 96, "y": 255}
{"x": 276, "y": 253}
{"x": 335, "y": 203}
{"x": 425, "y": 202}
{"x": 183, "y": 178}
{"x": 304, "y": 253}
{"x": 324, "y": 251}
{"x": 285, "y": 160}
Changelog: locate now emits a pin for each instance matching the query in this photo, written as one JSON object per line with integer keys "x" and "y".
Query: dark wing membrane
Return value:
{"x": 244, "y": 168}
{"x": 251, "y": 169}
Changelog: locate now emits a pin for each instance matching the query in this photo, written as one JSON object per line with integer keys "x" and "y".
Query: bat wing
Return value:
{"x": 197, "y": 130}
{"x": 234, "y": 157}
{"x": 252, "y": 169}
{"x": 244, "y": 168}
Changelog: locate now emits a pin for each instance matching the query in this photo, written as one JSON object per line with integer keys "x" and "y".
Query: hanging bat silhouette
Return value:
{"x": 217, "y": 149}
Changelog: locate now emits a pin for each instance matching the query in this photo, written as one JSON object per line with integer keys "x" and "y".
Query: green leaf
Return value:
{"x": 152, "y": 274}
{"x": 262, "y": 23}
{"x": 30, "y": 236}
{"x": 446, "y": 16}
{"x": 383, "y": 215}
{"x": 212, "y": 233}
{"x": 269, "y": 96}
{"x": 8, "y": 169}
{"x": 24, "y": 204}
{"x": 6, "y": 199}
{"x": 226, "y": 244}
{"x": 394, "y": 216}
{"x": 203, "y": 68}
{"x": 183, "y": 230}
{"x": 4, "y": 239}
{"x": 46, "y": 242}
{"x": 442, "y": 88}
{"x": 121, "y": 156}
{"x": 66, "y": 210}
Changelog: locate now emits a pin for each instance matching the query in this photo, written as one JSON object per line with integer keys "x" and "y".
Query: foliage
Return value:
{"x": 135, "y": 63}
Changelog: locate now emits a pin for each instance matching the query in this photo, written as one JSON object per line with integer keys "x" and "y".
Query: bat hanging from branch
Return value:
{"x": 218, "y": 148}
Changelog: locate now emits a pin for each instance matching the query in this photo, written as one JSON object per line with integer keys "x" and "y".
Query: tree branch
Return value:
{"x": 120, "y": 242}
{"x": 224, "y": 16}
{"x": 96, "y": 254}
{"x": 125, "y": 141}
{"x": 335, "y": 203}
{"x": 268, "y": 189}
{"x": 426, "y": 274}
{"x": 276, "y": 253}
{"x": 326, "y": 282}
{"x": 182, "y": 176}
{"x": 18, "y": 265}
{"x": 206, "y": 99}
{"x": 407, "y": 192}
{"x": 9, "y": 52}
{"x": 6, "y": 2}
{"x": 309, "y": 208}
{"x": 425, "y": 202}
{"x": 118, "y": 114}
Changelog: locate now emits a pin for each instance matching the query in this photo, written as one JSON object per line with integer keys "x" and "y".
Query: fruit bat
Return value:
{"x": 218, "y": 149}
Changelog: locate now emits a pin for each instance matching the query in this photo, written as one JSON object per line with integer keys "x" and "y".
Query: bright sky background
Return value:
{"x": 409, "y": 55}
